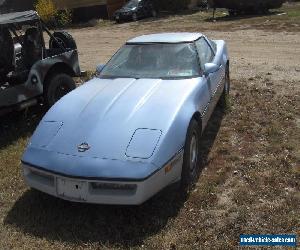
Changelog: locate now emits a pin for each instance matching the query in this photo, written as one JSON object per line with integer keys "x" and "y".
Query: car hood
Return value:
{"x": 105, "y": 115}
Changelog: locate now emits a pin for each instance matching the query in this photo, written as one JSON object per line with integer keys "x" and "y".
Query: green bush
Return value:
{"x": 51, "y": 15}
{"x": 63, "y": 17}
{"x": 46, "y": 10}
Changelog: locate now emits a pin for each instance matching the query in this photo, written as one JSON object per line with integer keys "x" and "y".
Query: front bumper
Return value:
{"x": 100, "y": 191}
{"x": 123, "y": 16}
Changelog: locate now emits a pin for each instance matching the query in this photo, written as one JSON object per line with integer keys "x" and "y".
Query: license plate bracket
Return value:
{"x": 72, "y": 189}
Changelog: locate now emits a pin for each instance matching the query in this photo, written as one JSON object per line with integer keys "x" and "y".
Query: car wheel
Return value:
{"x": 232, "y": 13}
{"x": 154, "y": 13}
{"x": 57, "y": 86}
{"x": 62, "y": 38}
{"x": 226, "y": 90}
{"x": 134, "y": 17}
{"x": 191, "y": 157}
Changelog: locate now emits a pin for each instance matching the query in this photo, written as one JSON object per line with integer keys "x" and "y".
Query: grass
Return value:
{"x": 249, "y": 184}
{"x": 292, "y": 10}
{"x": 85, "y": 77}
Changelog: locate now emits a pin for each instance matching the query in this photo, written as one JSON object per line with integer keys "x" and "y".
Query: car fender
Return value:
{"x": 173, "y": 139}
{"x": 66, "y": 62}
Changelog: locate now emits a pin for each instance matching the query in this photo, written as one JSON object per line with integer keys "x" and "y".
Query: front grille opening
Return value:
{"x": 104, "y": 188}
{"x": 41, "y": 178}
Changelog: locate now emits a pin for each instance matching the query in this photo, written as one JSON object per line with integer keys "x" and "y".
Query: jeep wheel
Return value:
{"x": 57, "y": 87}
{"x": 191, "y": 157}
{"x": 64, "y": 39}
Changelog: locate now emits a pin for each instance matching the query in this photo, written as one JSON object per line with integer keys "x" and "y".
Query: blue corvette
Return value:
{"x": 135, "y": 128}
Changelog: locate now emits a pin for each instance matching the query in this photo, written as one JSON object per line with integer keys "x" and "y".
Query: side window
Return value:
{"x": 206, "y": 54}
{"x": 214, "y": 45}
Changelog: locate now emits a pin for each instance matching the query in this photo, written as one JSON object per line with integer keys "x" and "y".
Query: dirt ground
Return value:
{"x": 251, "y": 155}
{"x": 252, "y": 52}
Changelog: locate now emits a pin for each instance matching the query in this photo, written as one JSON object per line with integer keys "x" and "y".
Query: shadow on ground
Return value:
{"x": 47, "y": 217}
{"x": 18, "y": 124}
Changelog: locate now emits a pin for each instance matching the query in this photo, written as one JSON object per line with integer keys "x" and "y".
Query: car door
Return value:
{"x": 207, "y": 55}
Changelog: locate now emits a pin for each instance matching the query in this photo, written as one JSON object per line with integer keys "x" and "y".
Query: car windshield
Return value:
{"x": 153, "y": 61}
{"x": 132, "y": 4}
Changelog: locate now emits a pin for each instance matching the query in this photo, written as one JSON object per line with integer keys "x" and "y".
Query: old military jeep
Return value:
{"x": 30, "y": 70}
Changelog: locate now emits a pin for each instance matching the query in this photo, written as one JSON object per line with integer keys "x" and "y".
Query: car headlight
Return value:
{"x": 45, "y": 132}
{"x": 143, "y": 143}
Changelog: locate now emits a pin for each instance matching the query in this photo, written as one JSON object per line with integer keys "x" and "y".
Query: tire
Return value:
{"x": 57, "y": 86}
{"x": 63, "y": 38}
{"x": 226, "y": 90}
{"x": 191, "y": 158}
{"x": 232, "y": 13}
{"x": 134, "y": 17}
{"x": 154, "y": 13}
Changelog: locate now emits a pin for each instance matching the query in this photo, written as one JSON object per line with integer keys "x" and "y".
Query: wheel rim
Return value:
{"x": 59, "y": 43}
{"x": 61, "y": 91}
{"x": 153, "y": 13}
{"x": 193, "y": 153}
{"x": 134, "y": 17}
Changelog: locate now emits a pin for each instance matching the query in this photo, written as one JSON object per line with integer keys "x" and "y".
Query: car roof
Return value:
{"x": 179, "y": 37}
{"x": 18, "y": 17}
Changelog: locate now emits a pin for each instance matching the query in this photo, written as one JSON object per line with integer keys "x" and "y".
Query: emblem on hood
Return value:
{"x": 83, "y": 147}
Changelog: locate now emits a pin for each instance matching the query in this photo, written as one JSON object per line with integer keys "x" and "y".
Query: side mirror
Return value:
{"x": 99, "y": 68}
{"x": 210, "y": 68}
